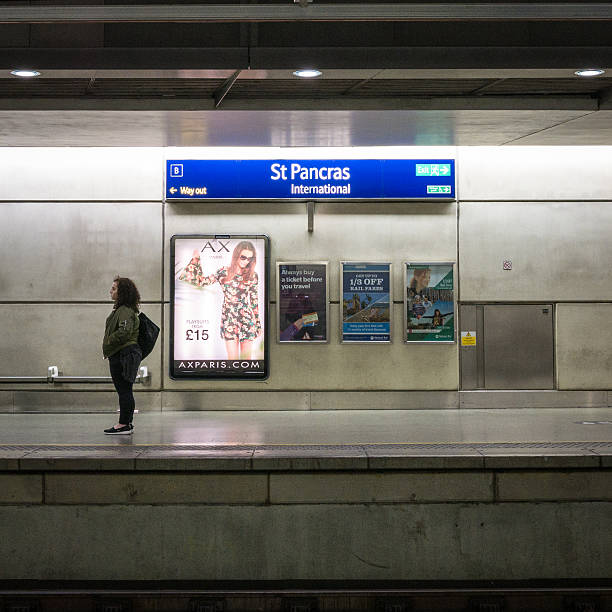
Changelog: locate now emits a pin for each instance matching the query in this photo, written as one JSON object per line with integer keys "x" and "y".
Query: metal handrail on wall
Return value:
{"x": 54, "y": 376}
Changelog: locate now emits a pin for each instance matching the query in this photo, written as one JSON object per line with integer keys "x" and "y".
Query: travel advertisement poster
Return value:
{"x": 366, "y": 302}
{"x": 219, "y": 307}
{"x": 302, "y": 301}
{"x": 429, "y": 302}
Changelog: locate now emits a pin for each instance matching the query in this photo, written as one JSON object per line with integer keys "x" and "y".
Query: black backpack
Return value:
{"x": 147, "y": 334}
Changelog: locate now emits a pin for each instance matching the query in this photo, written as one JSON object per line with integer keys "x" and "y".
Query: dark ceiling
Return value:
{"x": 454, "y": 57}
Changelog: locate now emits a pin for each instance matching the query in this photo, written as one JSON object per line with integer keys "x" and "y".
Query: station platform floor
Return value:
{"x": 361, "y": 438}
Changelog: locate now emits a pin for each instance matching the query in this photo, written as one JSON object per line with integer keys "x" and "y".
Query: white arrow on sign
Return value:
{"x": 444, "y": 170}
{"x": 172, "y": 190}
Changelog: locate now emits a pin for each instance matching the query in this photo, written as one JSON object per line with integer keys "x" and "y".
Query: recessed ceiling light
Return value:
{"x": 25, "y": 73}
{"x": 589, "y": 72}
{"x": 307, "y": 73}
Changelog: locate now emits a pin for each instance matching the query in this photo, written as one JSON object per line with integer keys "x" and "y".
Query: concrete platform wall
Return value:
{"x": 71, "y": 219}
{"x": 386, "y": 525}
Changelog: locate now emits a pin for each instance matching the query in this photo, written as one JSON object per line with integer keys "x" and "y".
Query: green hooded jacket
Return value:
{"x": 121, "y": 330}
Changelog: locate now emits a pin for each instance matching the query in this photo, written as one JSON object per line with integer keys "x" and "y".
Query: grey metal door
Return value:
{"x": 514, "y": 348}
{"x": 518, "y": 346}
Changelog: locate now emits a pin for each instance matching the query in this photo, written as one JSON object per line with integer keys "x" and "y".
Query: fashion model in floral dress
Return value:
{"x": 240, "y": 323}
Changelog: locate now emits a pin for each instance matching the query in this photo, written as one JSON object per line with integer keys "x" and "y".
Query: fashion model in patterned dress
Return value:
{"x": 240, "y": 324}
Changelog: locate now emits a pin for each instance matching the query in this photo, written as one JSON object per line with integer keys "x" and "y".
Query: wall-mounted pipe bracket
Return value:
{"x": 144, "y": 378}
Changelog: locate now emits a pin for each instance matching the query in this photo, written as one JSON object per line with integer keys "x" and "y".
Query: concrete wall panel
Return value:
{"x": 236, "y": 400}
{"x": 534, "y": 173}
{"x": 584, "y": 346}
{"x": 389, "y": 400}
{"x": 379, "y": 488}
{"x": 155, "y": 488}
{"x": 395, "y": 232}
{"x": 54, "y": 400}
{"x": 512, "y": 541}
{"x": 21, "y": 488}
{"x": 69, "y": 336}
{"x": 71, "y": 252}
{"x": 6, "y": 401}
{"x": 554, "y": 486}
{"x": 556, "y": 249}
{"x": 75, "y": 173}
{"x": 471, "y": 400}
{"x": 336, "y": 366}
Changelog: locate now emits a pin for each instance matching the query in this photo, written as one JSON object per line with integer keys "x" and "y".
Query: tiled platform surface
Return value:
{"x": 312, "y": 441}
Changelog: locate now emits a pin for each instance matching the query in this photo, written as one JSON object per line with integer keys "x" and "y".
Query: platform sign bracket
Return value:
{"x": 310, "y": 208}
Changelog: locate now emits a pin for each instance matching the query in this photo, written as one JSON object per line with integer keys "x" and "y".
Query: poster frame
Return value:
{"x": 293, "y": 263}
{"x": 405, "y": 265}
{"x": 220, "y": 376}
{"x": 366, "y": 263}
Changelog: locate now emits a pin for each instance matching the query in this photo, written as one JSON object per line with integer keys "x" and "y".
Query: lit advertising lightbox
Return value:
{"x": 219, "y": 316}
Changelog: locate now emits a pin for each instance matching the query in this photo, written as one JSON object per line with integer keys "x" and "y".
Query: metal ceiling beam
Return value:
{"x": 480, "y": 90}
{"x": 582, "y": 103}
{"x": 325, "y": 58}
{"x": 430, "y": 57}
{"x": 127, "y": 58}
{"x": 312, "y": 12}
{"x": 359, "y": 84}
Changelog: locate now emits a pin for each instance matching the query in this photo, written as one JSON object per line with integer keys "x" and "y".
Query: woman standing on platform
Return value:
{"x": 120, "y": 346}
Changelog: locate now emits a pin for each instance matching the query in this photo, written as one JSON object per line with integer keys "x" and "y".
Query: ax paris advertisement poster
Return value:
{"x": 219, "y": 307}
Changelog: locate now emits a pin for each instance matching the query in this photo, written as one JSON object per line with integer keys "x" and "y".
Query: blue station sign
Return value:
{"x": 283, "y": 179}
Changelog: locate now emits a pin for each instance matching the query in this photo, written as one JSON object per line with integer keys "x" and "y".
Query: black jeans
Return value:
{"x": 124, "y": 389}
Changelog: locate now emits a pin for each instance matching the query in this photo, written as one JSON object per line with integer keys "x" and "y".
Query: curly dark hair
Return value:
{"x": 127, "y": 294}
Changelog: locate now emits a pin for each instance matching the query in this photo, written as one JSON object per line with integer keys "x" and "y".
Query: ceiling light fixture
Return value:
{"x": 589, "y": 72}
{"x": 25, "y": 73}
{"x": 307, "y": 73}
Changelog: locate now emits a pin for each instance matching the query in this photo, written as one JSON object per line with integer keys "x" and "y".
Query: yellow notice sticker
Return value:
{"x": 468, "y": 338}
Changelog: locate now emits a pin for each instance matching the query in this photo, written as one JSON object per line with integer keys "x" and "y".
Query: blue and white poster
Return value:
{"x": 366, "y": 302}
